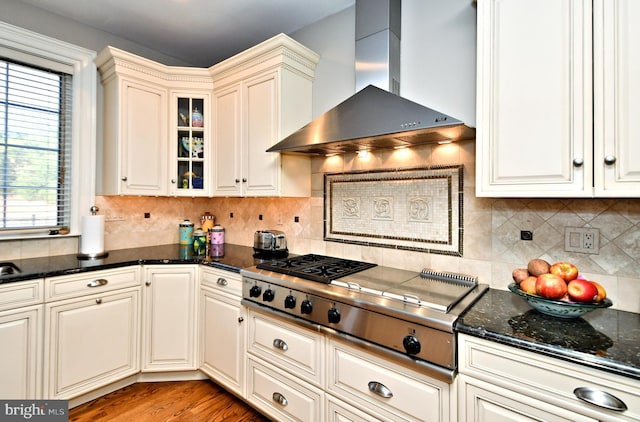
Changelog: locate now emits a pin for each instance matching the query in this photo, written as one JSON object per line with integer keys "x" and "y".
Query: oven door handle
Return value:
{"x": 380, "y": 389}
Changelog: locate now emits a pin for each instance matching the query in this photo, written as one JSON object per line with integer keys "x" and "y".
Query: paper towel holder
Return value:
{"x": 94, "y": 255}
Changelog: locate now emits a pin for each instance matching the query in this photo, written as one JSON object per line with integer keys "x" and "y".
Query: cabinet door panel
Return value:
{"x": 617, "y": 98}
{"x": 20, "y": 362}
{"x": 262, "y": 132}
{"x": 223, "y": 349}
{"x": 227, "y": 138}
{"x": 91, "y": 342}
{"x": 534, "y": 97}
{"x": 170, "y": 310}
{"x": 144, "y": 151}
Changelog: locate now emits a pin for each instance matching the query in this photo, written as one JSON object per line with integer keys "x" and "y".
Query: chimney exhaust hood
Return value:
{"x": 375, "y": 117}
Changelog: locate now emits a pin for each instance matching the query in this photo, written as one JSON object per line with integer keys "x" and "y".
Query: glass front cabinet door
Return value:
{"x": 191, "y": 144}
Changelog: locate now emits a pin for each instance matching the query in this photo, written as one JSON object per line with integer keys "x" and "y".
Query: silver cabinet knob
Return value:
{"x": 237, "y": 180}
{"x": 578, "y": 162}
{"x": 124, "y": 179}
{"x": 609, "y": 159}
{"x": 240, "y": 319}
{"x": 222, "y": 282}
{"x": 173, "y": 181}
{"x": 244, "y": 180}
{"x": 147, "y": 283}
{"x": 98, "y": 301}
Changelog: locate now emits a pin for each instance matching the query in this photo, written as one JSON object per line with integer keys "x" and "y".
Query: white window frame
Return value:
{"x": 33, "y": 48}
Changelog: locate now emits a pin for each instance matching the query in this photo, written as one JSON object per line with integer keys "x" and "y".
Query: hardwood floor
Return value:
{"x": 167, "y": 401}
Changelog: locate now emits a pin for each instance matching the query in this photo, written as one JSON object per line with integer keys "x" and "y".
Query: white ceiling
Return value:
{"x": 200, "y": 32}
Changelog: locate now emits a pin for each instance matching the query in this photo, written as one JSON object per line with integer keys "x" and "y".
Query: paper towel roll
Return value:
{"x": 92, "y": 240}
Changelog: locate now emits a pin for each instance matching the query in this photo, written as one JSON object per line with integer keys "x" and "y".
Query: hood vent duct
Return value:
{"x": 376, "y": 117}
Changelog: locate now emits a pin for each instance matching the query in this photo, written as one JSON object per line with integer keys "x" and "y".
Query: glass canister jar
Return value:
{"x": 186, "y": 232}
{"x": 199, "y": 242}
{"x": 217, "y": 235}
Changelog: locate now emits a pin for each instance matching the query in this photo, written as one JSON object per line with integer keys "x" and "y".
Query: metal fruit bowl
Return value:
{"x": 558, "y": 308}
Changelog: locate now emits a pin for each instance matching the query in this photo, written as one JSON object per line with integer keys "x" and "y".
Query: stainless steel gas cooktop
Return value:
{"x": 405, "y": 315}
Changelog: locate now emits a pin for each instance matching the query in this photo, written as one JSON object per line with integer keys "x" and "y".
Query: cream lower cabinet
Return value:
{"x": 387, "y": 391}
{"x": 91, "y": 330}
{"x": 260, "y": 96}
{"x": 222, "y": 328}
{"x": 296, "y": 373}
{"x": 556, "y": 99}
{"x": 499, "y": 383}
{"x": 21, "y": 339}
{"x": 20, "y": 356}
{"x": 169, "y": 321}
{"x": 285, "y": 369}
{"x": 91, "y": 342}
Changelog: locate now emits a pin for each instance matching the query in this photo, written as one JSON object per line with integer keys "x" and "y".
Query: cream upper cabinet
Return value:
{"x": 141, "y": 149}
{"x": 260, "y": 96}
{"x": 548, "y": 80}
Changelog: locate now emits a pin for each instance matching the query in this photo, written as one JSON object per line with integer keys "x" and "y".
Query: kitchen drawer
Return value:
{"x": 69, "y": 286}
{"x": 395, "y": 392}
{"x": 20, "y": 293}
{"x": 221, "y": 280}
{"x": 281, "y": 396}
{"x": 295, "y": 349}
{"x": 547, "y": 379}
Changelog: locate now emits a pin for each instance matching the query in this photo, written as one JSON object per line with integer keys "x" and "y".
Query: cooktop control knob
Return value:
{"x": 290, "y": 302}
{"x": 255, "y": 291}
{"x": 334, "y": 315}
{"x": 306, "y": 307}
{"x": 411, "y": 345}
{"x": 268, "y": 295}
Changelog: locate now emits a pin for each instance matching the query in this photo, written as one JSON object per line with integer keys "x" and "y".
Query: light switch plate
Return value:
{"x": 582, "y": 240}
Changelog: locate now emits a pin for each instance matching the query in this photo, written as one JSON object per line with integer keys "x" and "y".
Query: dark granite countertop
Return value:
{"x": 234, "y": 258}
{"x": 605, "y": 339}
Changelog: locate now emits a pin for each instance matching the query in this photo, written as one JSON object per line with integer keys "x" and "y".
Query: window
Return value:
{"x": 35, "y": 147}
{"x": 47, "y": 156}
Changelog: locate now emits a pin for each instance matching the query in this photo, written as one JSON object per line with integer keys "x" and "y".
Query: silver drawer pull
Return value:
{"x": 98, "y": 301}
{"x": 280, "y": 399}
{"x": 97, "y": 283}
{"x": 600, "y": 398}
{"x": 221, "y": 281}
{"x": 280, "y": 344}
{"x": 380, "y": 389}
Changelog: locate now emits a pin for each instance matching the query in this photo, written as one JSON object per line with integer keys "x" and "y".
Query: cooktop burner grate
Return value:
{"x": 314, "y": 267}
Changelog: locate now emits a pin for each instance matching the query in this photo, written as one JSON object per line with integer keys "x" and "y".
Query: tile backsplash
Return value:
{"x": 492, "y": 245}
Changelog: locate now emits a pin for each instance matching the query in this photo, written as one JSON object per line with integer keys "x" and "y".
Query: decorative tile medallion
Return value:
{"x": 414, "y": 209}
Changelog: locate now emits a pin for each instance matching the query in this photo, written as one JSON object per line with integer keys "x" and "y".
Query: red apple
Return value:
{"x": 602, "y": 293}
{"x": 566, "y": 270}
{"x": 582, "y": 291}
{"x": 528, "y": 285}
{"x": 551, "y": 286}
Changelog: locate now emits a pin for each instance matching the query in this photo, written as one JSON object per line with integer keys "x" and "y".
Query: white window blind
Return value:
{"x": 35, "y": 147}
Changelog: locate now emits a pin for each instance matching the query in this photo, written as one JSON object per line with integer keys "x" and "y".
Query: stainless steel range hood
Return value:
{"x": 375, "y": 117}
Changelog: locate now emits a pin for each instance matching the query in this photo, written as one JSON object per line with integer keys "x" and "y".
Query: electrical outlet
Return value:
{"x": 582, "y": 240}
